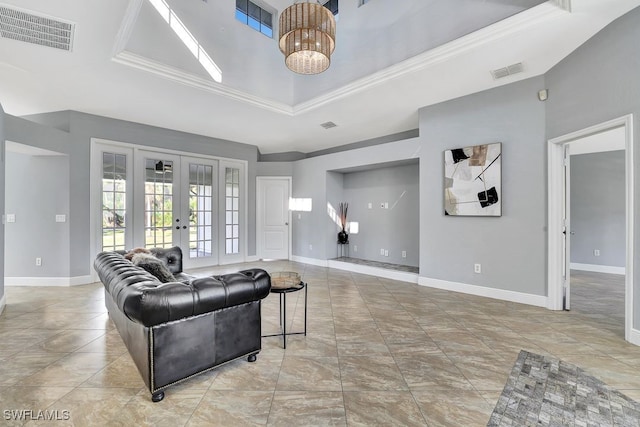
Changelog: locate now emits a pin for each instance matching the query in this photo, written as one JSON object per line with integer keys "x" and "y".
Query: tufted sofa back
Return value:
{"x": 144, "y": 299}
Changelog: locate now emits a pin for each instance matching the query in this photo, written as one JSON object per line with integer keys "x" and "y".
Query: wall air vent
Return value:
{"x": 26, "y": 27}
{"x": 328, "y": 125}
{"x": 507, "y": 71}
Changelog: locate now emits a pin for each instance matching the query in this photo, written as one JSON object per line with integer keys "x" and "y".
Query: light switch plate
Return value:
{"x": 11, "y": 218}
{"x": 61, "y": 218}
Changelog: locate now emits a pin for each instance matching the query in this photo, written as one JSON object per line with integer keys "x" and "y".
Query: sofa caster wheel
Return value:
{"x": 252, "y": 358}
{"x": 157, "y": 397}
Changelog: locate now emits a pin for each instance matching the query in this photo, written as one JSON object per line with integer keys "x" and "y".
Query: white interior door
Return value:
{"x": 273, "y": 217}
{"x": 198, "y": 206}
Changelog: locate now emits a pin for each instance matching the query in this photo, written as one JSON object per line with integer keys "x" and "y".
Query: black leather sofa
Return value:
{"x": 179, "y": 329}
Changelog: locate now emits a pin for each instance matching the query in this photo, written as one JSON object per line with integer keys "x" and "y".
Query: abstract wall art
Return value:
{"x": 473, "y": 181}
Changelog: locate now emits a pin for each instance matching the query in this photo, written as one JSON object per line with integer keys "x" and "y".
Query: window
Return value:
{"x": 232, "y": 210}
{"x": 254, "y": 16}
{"x": 187, "y": 39}
{"x": 114, "y": 192}
{"x": 332, "y": 5}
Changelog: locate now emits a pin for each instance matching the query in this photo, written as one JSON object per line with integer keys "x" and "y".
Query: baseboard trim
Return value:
{"x": 482, "y": 291}
{"x": 311, "y": 261}
{"x": 252, "y": 258}
{"x": 401, "y": 276}
{"x": 634, "y": 337}
{"x": 595, "y": 268}
{"x": 48, "y": 281}
{"x": 3, "y": 302}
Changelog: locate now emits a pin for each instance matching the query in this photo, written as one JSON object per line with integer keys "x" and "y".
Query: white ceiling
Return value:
{"x": 391, "y": 58}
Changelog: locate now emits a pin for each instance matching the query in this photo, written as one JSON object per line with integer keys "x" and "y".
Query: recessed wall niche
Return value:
{"x": 384, "y": 201}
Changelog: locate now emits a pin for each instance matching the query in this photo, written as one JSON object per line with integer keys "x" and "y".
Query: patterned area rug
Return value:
{"x": 544, "y": 391}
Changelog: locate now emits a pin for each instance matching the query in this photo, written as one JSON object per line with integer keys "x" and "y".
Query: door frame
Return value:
{"x": 259, "y": 180}
{"x": 556, "y": 155}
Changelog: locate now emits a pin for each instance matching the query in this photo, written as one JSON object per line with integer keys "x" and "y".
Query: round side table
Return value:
{"x": 283, "y": 283}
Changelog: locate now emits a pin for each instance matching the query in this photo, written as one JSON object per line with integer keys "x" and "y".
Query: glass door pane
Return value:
{"x": 199, "y": 206}
{"x": 114, "y": 201}
{"x": 159, "y": 175}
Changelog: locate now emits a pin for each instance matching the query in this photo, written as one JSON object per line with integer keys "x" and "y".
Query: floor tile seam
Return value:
{"x": 422, "y": 412}
{"x": 195, "y": 408}
{"x": 344, "y": 403}
{"x": 60, "y": 398}
{"x": 44, "y": 368}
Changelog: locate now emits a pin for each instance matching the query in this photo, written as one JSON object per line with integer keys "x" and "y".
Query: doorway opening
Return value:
{"x": 559, "y": 238}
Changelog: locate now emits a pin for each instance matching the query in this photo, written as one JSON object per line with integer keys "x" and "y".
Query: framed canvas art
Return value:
{"x": 473, "y": 180}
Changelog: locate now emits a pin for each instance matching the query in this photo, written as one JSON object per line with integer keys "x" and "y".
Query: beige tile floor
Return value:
{"x": 378, "y": 352}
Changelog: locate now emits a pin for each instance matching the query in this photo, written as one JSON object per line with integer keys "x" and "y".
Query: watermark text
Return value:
{"x": 36, "y": 415}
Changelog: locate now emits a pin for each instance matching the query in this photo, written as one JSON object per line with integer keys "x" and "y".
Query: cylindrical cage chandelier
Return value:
{"x": 307, "y": 37}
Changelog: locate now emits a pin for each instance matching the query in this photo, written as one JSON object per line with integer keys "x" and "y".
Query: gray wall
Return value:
{"x": 39, "y": 191}
{"x": 274, "y": 169}
{"x": 599, "y": 82}
{"x": 38, "y": 131}
{"x": 396, "y": 228}
{"x": 511, "y": 248}
{"x": 313, "y": 178}
{"x": 598, "y": 208}
{"x": 2, "y": 190}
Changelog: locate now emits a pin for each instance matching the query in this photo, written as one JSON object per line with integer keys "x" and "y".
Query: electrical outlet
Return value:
{"x": 310, "y": 247}
{"x": 61, "y": 218}
{"x": 382, "y": 252}
{"x": 404, "y": 254}
{"x": 477, "y": 268}
{"x": 370, "y": 205}
{"x": 299, "y": 216}
{"x": 386, "y": 252}
{"x": 596, "y": 252}
{"x": 386, "y": 205}
{"x": 11, "y": 218}
{"x": 355, "y": 248}
{"x": 38, "y": 261}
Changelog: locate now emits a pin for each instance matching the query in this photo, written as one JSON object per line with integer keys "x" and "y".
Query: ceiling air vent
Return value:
{"x": 328, "y": 125}
{"x": 507, "y": 71}
{"x": 26, "y": 27}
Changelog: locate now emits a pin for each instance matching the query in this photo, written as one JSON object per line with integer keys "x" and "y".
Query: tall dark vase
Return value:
{"x": 343, "y": 237}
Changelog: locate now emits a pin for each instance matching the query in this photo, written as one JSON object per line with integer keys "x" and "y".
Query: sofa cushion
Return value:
{"x": 154, "y": 266}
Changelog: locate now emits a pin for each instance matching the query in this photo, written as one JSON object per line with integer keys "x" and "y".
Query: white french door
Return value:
{"x": 157, "y": 207}
{"x": 178, "y": 205}
{"x": 157, "y": 199}
{"x": 198, "y": 212}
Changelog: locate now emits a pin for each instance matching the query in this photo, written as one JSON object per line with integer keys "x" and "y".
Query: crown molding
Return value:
{"x": 127, "y": 26}
{"x": 508, "y": 26}
{"x": 511, "y": 25}
{"x": 160, "y": 69}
